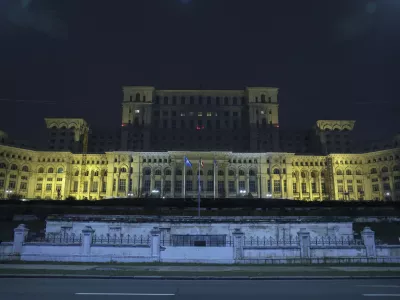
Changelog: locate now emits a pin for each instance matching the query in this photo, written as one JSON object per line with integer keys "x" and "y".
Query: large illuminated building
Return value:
{"x": 235, "y": 133}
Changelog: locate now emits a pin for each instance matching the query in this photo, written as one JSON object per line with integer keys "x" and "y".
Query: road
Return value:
{"x": 116, "y": 289}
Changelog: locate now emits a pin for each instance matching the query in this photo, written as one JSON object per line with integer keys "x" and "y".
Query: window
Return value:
{"x": 178, "y": 186}
{"x": 167, "y": 186}
{"x": 146, "y": 186}
{"x": 50, "y": 170}
{"x": 294, "y": 187}
{"x": 323, "y": 188}
{"x": 210, "y": 185}
{"x": 95, "y": 186}
{"x": 252, "y": 186}
{"x": 25, "y": 169}
{"x": 375, "y": 187}
{"x": 221, "y": 186}
{"x": 231, "y": 187}
{"x": 277, "y": 186}
{"x": 303, "y": 187}
{"x": 1, "y": 183}
{"x": 75, "y": 187}
{"x": 48, "y": 186}
{"x": 242, "y": 185}
{"x": 189, "y": 185}
{"x": 350, "y": 188}
{"x": 121, "y": 185}
{"x": 313, "y": 187}
{"x": 39, "y": 187}
{"x": 340, "y": 189}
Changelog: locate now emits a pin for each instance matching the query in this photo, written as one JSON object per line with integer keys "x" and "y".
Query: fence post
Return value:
{"x": 155, "y": 243}
{"x": 87, "y": 233}
{"x": 368, "y": 237}
{"x": 238, "y": 242}
{"x": 304, "y": 239}
{"x": 20, "y": 235}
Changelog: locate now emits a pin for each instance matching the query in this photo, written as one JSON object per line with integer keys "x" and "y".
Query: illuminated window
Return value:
{"x": 183, "y": 114}
{"x": 137, "y": 111}
{"x": 262, "y": 112}
{"x": 209, "y": 114}
{"x": 199, "y": 114}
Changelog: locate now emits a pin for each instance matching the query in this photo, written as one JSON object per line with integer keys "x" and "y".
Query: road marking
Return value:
{"x": 381, "y": 295}
{"x": 380, "y": 286}
{"x": 121, "y": 294}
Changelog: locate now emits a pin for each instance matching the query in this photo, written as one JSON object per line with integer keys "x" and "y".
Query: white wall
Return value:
{"x": 261, "y": 253}
{"x": 260, "y": 229}
{"x": 338, "y": 252}
{"x": 388, "y": 250}
{"x": 197, "y": 254}
{"x": 111, "y": 250}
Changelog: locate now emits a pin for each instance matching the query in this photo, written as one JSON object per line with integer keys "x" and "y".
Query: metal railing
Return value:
{"x": 197, "y": 241}
{"x": 270, "y": 241}
{"x": 120, "y": 239}
{"x": 57, "y": 238}
{"x": 334, "y": 241}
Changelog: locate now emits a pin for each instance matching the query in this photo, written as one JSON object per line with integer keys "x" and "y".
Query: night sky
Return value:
{"x": 337, "y": 59}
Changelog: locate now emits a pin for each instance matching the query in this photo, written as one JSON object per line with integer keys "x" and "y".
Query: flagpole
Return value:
{"x": 198, "y": 192}
{"x": 184, "y": 178}
{"x": 215, "y": 169}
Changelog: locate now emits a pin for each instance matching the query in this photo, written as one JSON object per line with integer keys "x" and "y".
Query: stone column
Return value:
{"x": 368, "y": 237}
{"x": 87, "y": 233}
{"x": 304, "y": 240}
{"x": 155, "y": 234}
{"x": 247, "y": 184}
{"x": 20, "y": 235}
{"x": 237, "y": 183}
{"x": 238, "y": 243}
{"x": 258, "y": 184}
{"x": 152, "y": 181}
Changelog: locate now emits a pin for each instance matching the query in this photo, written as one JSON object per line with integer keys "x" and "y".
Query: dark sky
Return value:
{"x": 337, "y": 59}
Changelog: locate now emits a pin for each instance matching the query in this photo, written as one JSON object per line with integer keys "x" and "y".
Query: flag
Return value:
{"x": 201, "y": 163}
{"x": 187, "y": 162}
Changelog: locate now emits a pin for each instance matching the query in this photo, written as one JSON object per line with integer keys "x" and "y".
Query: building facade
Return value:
{"x": 58, "y": 175}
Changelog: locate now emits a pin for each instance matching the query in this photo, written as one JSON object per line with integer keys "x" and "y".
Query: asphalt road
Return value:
{"x": 88, "y": 289}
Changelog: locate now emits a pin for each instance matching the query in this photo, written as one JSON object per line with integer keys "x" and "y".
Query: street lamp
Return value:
{"x": 130, "y": 194}
{"x": 8, "y": 193}
{"x": 269, "y": 195}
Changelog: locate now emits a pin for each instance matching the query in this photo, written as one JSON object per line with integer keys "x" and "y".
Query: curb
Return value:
{"x": 60, "y": 276}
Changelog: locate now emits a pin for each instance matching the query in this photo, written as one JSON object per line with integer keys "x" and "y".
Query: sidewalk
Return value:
{"x": 195, "y": 272}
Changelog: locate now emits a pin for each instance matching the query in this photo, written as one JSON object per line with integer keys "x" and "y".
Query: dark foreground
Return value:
{"x": 62, "y": 289}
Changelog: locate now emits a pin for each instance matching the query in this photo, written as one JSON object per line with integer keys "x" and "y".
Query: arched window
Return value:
{"x": 348, "y": 172}
{"x": 322, "y": 174}
{"x": 147, "y": 172}
{"x": 220, "y": 173}
{"x": 167, "y": 172}
{"x": 60, "y": 170}
{"x": 137, "y": 97}
{"x": 157, "y": 172}
{"x": 201, "y": 172}
{"x": 385, "y": 170}
{"x": 123, "y": 170}
{"x": 263, "y": 99}
{"x": 104, "y": 173}
{"x": 374, "y": 171}
{"x": 41, "y": 170}
{"x": 252, "y": 173}
{"x": 303, "y": 175}
{"x": 96, "y": 173}
{"x": 86, "y": 173}
{"x": 76, "y": 173}
{"x": 396, "y": 168}
{"x": 231, "y": 173}
{"x": 25, "y": 169}
{"x": 358, "y": 172}
{"x": 14, "y": 167}
{"x": 50, "y": 170}
{"x": 276, "y": 171}
{"x": 241, "y": 173}
{"x": 210, "y": 173}
{"x": 339, "y": 172}
{"x": 178, "y": 172}
{"x": 189, "y": 173}
{"x": 2, "y": 165}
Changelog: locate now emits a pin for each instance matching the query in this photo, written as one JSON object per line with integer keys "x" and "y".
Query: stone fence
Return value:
{"x": 234, "y": 248}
